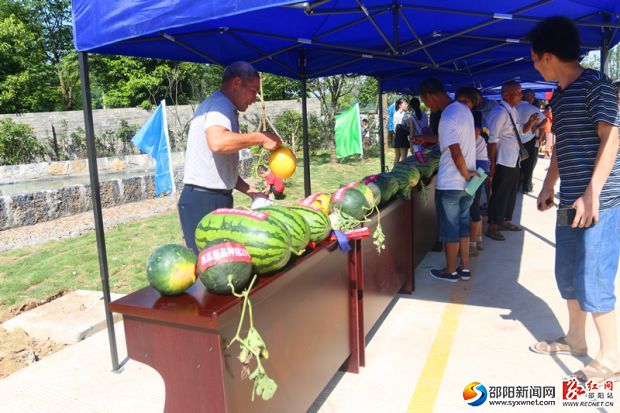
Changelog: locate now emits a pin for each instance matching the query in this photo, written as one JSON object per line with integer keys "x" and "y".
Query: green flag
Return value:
{"x": 349, "y": 132}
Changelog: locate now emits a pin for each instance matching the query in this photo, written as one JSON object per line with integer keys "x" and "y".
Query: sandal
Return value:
{"x": 557, "y": 346}
{"x": 509, "y": 226}
{"x": 596, "y": 372}
{"x": 496, "y": 235}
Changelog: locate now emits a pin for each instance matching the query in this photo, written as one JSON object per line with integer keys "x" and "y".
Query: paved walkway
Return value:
{"x": 429, "y": 346}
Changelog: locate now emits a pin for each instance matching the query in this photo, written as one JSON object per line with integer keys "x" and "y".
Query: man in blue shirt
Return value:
{"x": 586, "y": 160}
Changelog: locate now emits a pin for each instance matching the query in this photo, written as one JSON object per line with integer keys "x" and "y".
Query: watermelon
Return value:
{"x": 318, "y": 200}
{"x": 388, "y": 185}
{"x": 296, "y": 225}
{"x": 220, "y": 259}
{"x": 350, "y": 202}
{"x": 266, "y": 238}
{"x": 318, "y": 222}
{"x": 376, "y": 193}
{"x": 365, "y": 190}
{"x": 408, "y": 176}
{"x": 170, "y": 269}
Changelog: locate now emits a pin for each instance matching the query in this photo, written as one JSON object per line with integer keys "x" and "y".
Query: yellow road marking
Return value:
{"x": 425, "y": 394}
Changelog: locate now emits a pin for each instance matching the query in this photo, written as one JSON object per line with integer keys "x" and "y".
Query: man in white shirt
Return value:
{"x": 531, "y": 141}
{"x": 456, "y": 167}
{"x": 505, "y": 160}
{"x": 213, "y": 144}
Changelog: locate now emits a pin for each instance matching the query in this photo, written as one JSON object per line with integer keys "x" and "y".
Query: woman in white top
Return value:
{"x": 403, "y": 129}
{"x": 419, "y": 117}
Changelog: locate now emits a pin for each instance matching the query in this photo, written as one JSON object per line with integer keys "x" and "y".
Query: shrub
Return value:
{"x": 290, "y": 127}
{"x": 18, "y": 144}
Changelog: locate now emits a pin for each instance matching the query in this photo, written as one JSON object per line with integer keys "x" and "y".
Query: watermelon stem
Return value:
{"x": 377, "y": 235}
{"x": 252, "y": 347}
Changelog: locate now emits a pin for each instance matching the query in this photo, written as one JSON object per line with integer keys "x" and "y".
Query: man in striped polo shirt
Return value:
{"x": 586, "y": 160}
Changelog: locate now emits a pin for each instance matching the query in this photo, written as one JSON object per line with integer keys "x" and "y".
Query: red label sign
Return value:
{"x": 352, "y": 185}
{"x": 259, "y": 216}
{"x": 339, "y": 195}
{"x": 353, "y": 234}
{"x": 371, "y": 178}
{"x": 310, "y": 200}
{"x": 221, "y": 253}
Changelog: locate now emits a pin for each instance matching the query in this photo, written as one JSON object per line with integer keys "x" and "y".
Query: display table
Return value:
{"x": 314, "y": 316}
{"x": 304, "y": 313}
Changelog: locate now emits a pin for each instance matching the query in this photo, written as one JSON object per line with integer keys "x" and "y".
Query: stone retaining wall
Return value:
{"x": 67, "y": 169}
{"x": 31, "y": 208}
{"x": 177, "y": 116}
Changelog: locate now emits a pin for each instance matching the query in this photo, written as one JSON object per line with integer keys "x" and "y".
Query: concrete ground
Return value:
{"x": 427, "y": 348}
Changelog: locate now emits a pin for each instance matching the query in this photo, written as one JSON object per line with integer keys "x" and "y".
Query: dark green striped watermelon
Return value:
{"x": 221, "y": 259}
{"x": 388, "y": 186}
{"x": 170, "y": 269}
{"x": 266, "y": 239}
{"x": 350, "y": 202}
{"x": 317, "y": 220}
{"x": 365, "y": 190}
{"x": 297, "y": 227}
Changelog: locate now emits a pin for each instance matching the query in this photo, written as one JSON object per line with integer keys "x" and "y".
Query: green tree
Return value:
{"x": 280, "y": 87}
{"x": 331, "y": 92}
{"x": 25, "y": 79}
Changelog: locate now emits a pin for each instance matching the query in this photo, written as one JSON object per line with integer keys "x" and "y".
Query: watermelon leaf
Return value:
{"x": 253, "y": 347}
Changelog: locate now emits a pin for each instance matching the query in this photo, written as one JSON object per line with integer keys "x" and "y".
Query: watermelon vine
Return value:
{"x": 252, "y": 347}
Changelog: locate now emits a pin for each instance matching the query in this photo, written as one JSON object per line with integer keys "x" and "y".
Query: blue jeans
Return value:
{"x": 586, "y": 262}
{"x": 453, "y": 214}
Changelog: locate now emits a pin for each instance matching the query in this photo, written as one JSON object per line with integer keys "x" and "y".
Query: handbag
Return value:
{"x": 523, "y": 153}
{"x": 402, "y": 131}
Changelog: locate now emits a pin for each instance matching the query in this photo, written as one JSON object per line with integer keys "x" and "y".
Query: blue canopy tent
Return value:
{"x": 396, "y": 41}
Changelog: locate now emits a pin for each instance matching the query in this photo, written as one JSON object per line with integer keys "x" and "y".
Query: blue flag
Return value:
{"x": 152, "y": 139}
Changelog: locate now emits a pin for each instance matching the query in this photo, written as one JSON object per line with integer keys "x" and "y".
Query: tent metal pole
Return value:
{"x": 417, "y": 38}
{"x": 381, "y": 137}
{"x": 494, "y": 19}
{"x": 96, "y": 199}
{"x": 190, "y": 48}
{"x": 512, "y": 16}
{"x": 376, "y": 26}
{"x": 304, "y": 118}
{"x": 353, "y": 23}
{"x": 605, "y": 41}
{"x": 327, "y": 69}
{"x": 262, "y": 52}
{"x": 517, "y": 41}
{"x": 312, "y": 42}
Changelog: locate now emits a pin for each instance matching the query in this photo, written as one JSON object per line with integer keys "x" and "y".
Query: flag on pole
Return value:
{"x": 153, "y": 140}
{"x": 349, "y": 132}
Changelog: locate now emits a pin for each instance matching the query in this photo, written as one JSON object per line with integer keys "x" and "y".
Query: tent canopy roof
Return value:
{"x": 459, "y": 41}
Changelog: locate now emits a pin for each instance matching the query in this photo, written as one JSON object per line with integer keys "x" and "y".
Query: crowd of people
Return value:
{"x": 578, "y": 131}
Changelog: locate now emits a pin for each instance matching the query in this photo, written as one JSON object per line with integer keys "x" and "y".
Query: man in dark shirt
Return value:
{"x": 586, "y": 160}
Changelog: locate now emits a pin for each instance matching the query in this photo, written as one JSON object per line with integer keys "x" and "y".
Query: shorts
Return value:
{"x": 586, "y": 262}
{"x": 453, "y": 214}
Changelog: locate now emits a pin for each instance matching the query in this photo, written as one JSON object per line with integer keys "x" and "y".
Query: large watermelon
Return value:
{"x": 376, "y": 193}
{"x": 170, "y": 269}
{"x": 297, "y": 227}
{"x": 388, "y": 186}
{"x": 365, "y": 190}
{"x": 266, "y": 239}
{"x": 318, "y": 222}
{"x": 220, "y": 259}
{"x": 350, "y": 202}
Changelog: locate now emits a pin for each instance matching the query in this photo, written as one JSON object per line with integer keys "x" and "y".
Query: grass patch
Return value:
{"x": 37, "y": 272}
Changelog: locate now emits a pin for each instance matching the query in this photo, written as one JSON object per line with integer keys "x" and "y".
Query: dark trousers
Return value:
{"x": 196, "y": 202}
{"x": 276, "y": 194}
{"x": 505, "y": 186}
{"x": 527, "y": 166}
